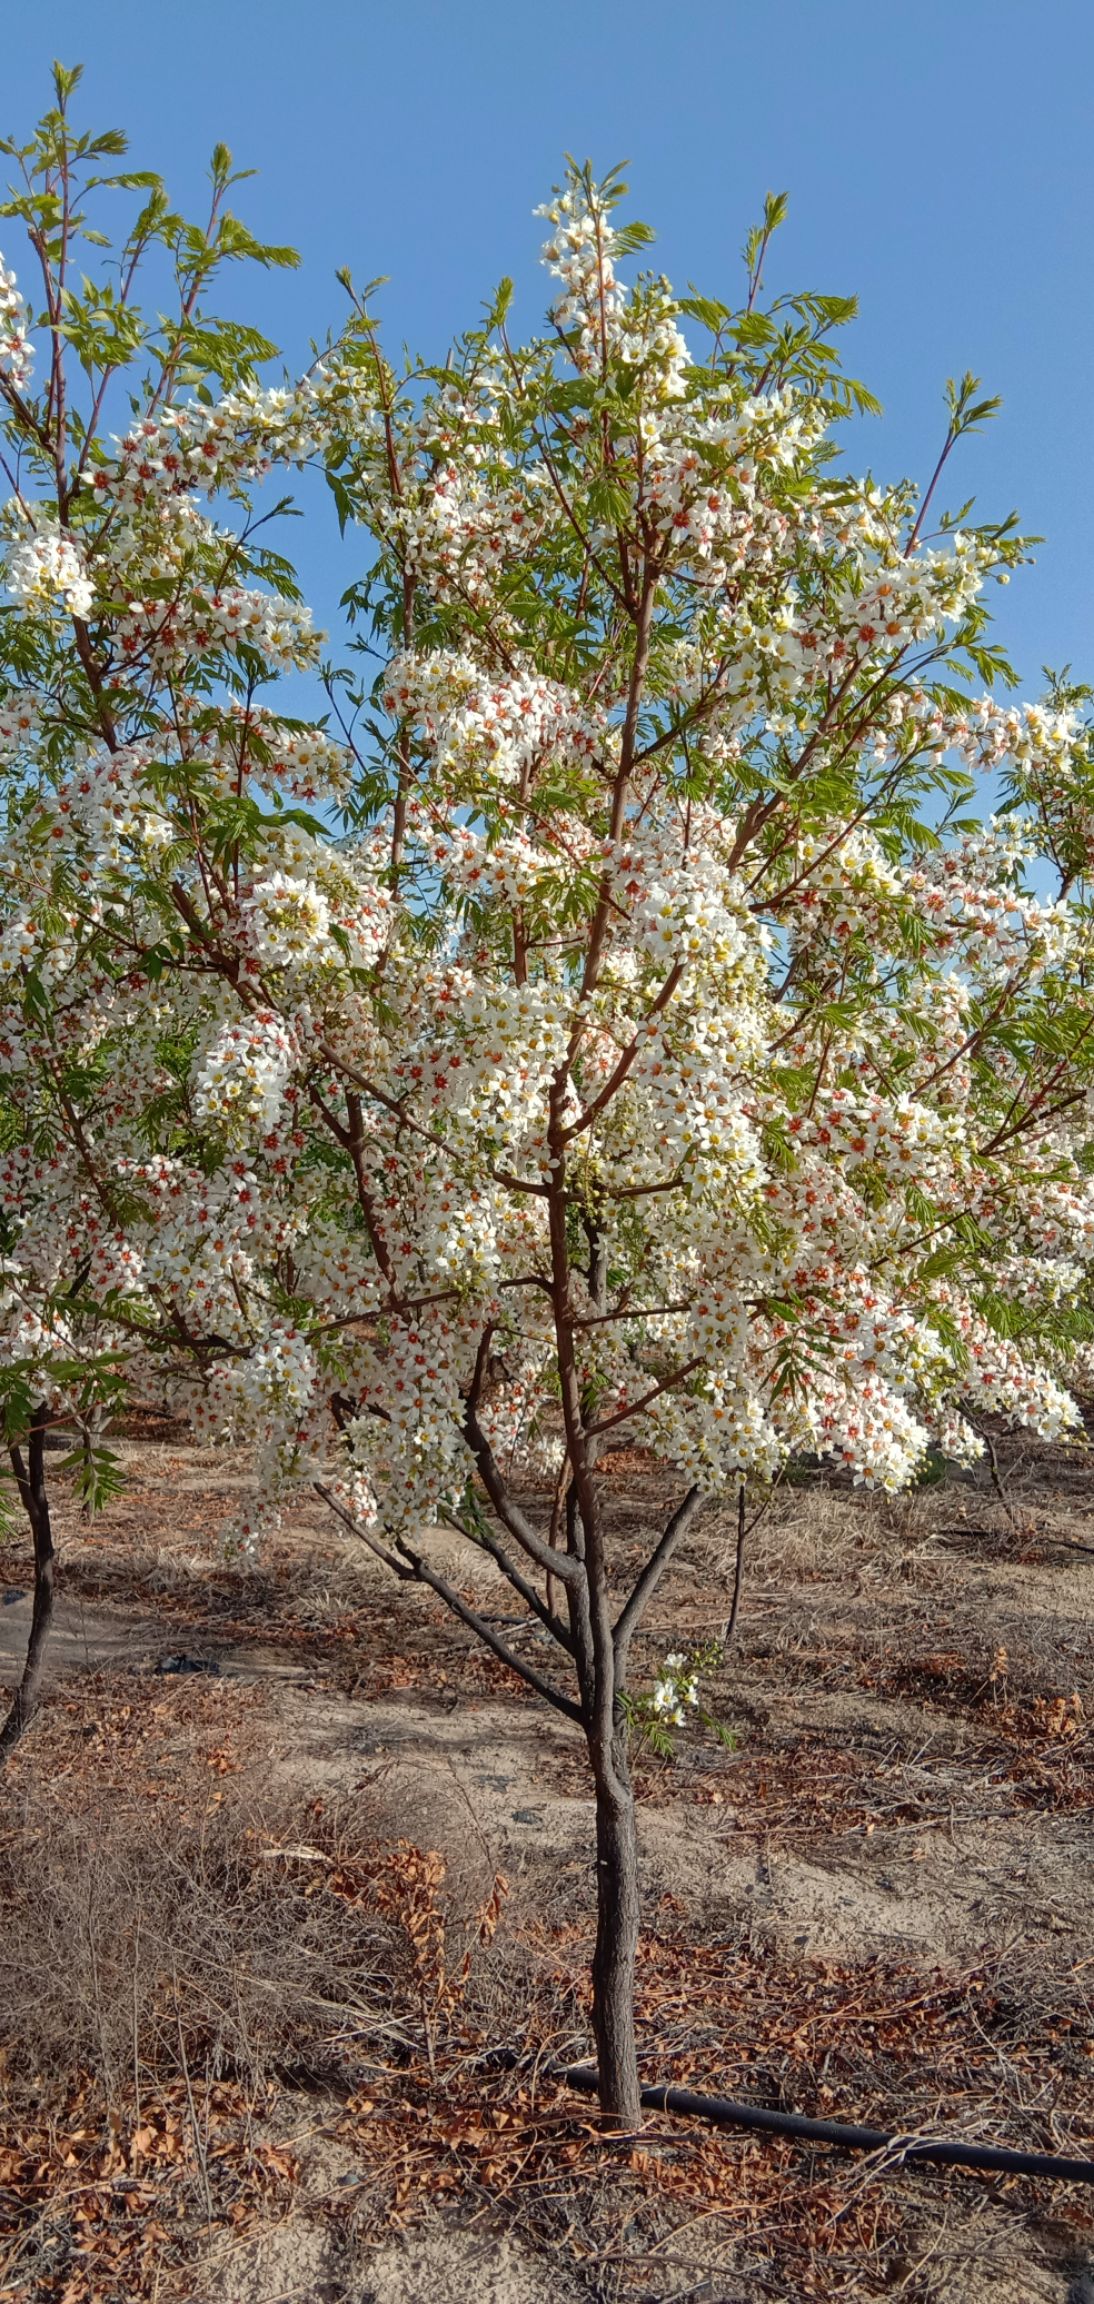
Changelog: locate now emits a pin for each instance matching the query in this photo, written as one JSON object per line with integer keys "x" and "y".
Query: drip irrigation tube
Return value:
{"x": 726, "y": 2113}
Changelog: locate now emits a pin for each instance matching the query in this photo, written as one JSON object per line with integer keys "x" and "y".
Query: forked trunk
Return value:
{"x": 30, "y": 1478}
{"x": 617, "y": 1916}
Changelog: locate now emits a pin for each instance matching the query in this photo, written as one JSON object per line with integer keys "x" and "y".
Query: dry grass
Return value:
{"x": 160, "y": 1979}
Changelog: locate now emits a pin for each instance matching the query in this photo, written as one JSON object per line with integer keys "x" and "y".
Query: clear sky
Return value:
{"x": 938, "y": 155}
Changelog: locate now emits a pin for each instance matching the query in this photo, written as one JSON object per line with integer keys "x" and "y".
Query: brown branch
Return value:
{"x": 617, "y": 1078}
{"x": 488, "y": 1542}
{"x": 1009, "y": 1128}
{"x": 642, "y": 1591}
{"x": 410, "y": 1566}
{"x": 635, "y": 1407}
{"x": 520, "y": 1528}
{"x": 627, "y": 745}
{"x": 738, "y": 1572}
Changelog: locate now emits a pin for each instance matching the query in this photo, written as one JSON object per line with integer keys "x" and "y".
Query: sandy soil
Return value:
{"x": 910, "y": 1789}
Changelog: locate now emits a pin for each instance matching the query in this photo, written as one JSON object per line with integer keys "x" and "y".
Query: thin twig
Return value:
{"x": 738, "y": 1572}
{"x": 996, "y": 1476}
{"x": 199, "y": 2147}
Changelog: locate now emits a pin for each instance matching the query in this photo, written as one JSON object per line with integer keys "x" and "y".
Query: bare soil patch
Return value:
{"x": 253, "y": 2036}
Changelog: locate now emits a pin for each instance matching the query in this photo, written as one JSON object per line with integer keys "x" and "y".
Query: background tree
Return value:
{"x": 605, "y": 1019}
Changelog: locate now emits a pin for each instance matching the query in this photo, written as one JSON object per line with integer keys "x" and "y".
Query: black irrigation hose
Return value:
{"x": 726, "y": 2113}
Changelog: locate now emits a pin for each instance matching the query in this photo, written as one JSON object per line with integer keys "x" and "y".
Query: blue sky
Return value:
{"x": 937, "y": 156}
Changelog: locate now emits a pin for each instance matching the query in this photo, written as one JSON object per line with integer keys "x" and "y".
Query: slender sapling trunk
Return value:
{"x": 30, "y": 1479}
{"x": 617, "y": 1920}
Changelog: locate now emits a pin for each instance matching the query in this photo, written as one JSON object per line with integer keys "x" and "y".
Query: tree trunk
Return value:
{"x": 617, "y": 1916}
{"x": 30, "y": 1479}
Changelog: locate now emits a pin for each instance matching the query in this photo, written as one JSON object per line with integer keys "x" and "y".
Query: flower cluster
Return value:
{"x": 47, "y": 567}
{"x": 580, "y": 254}
{"x": 280, "y": 631}
{"x": 675, "y": 1690}
{"x": 213, "y": 446}
{"x": 494, "y": 731}
{"x": 242, "y": 1076}
{"x": 20, "y": 718}
{"x": 298, "y": 762}
{"x": 286, "y": 919}
{"x": 16, "y": 349}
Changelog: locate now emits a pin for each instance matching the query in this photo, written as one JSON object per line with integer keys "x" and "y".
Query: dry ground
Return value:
{"x": 253, "y": 2031}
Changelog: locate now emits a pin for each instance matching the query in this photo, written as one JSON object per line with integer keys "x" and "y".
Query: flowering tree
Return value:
{"x": 604, "y": 1019}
